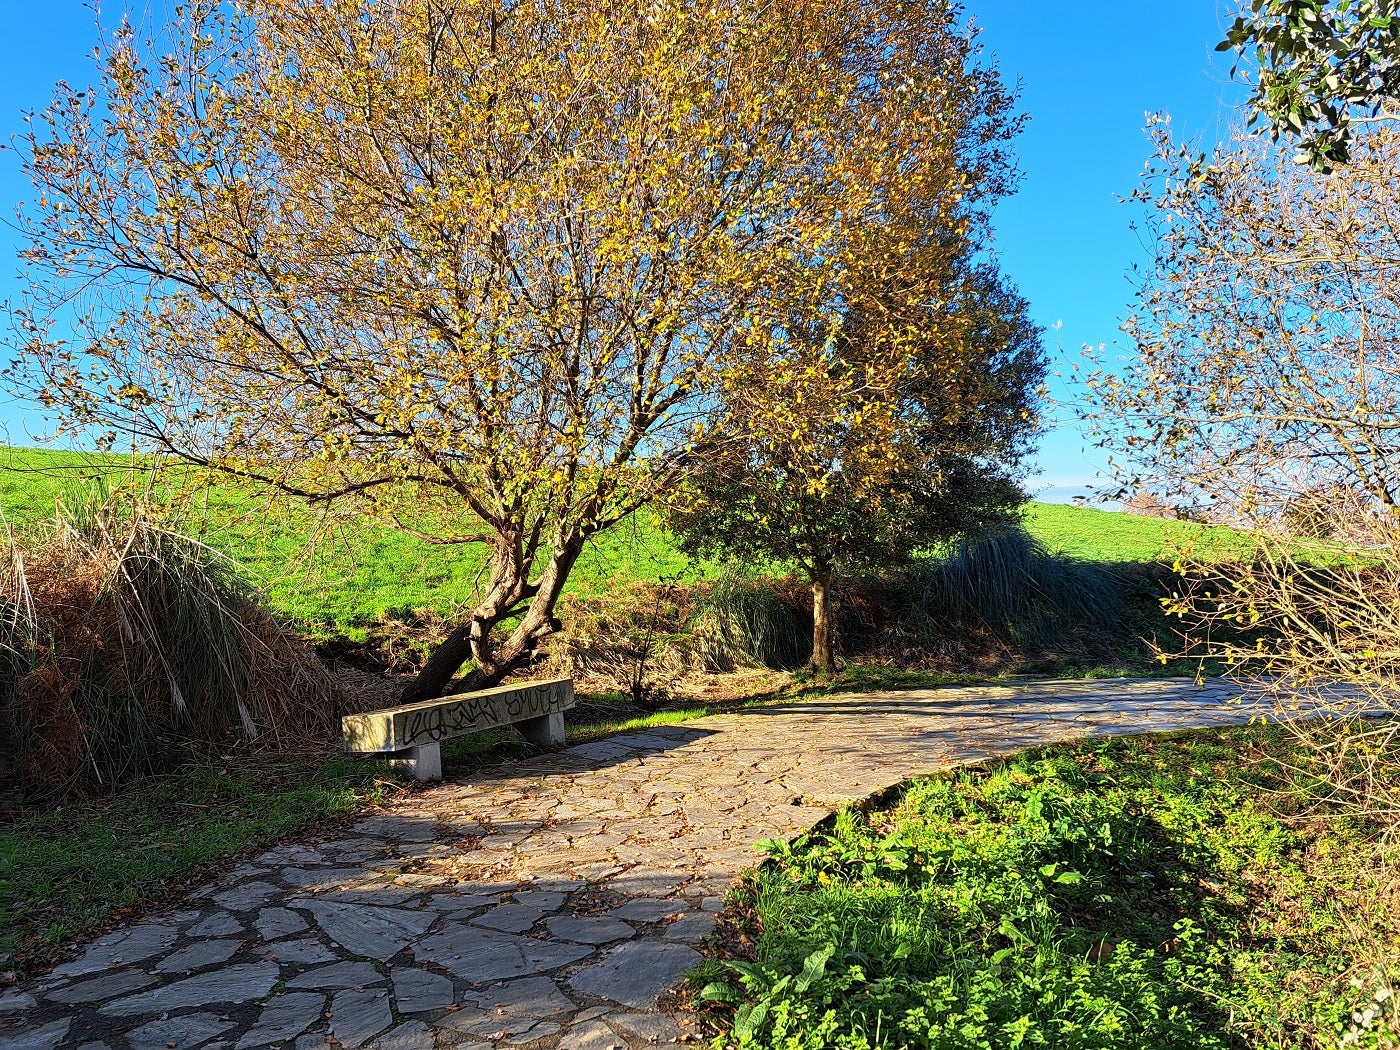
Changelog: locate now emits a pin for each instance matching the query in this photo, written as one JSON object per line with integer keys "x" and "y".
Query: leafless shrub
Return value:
{"x": 1267, "y": 384}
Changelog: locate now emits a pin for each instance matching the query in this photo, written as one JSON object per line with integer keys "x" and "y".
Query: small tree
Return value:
{"x": 1321, "y": 65}
{"x": 1267, "y": 379}
{"x": 481, "y": 270}
{"x": 921, "y": 437}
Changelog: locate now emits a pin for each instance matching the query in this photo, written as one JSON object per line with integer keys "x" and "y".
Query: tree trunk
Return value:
{"x": 442, "y": 664}
{"x": 472, "y": 639}
{"x": 823, "y": 656}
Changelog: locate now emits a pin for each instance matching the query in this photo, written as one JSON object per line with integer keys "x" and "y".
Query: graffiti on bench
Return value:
{"x": 468, "y": 716}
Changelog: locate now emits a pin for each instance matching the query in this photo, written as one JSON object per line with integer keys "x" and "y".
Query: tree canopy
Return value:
{"x": 1321, "y": 65}
{"x": 491, "y": 263}
{"x": 924, "y": 427}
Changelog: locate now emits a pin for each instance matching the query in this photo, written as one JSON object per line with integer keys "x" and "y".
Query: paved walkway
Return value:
{"x": 548, "y": 902}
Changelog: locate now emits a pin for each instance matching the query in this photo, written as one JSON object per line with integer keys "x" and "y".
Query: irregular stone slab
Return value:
{"x": 411, "y": 1035}
{"x": 533, "y": 997}
{"x": 648, "y": 909}
{"x": 301, "y": 856}
{"x": 691, "y": 928}
{"x": 99, "y": 989}
{"x": 376, "y": 894}
{"x": 220, "y": 924}
{"x": 247, "y": 896}
{"x": 396, "y": 829}
{"x": 654, "y": 1027}
{"x": 44, "y": 1038}
{"x": 509, "y": 918}
{"x": 636, "y": 973}
{"x": 456, "y": 903}
{"x": 479, "y": 956}
{"x": 285, "y": 1017}
{"x": 240, "y": 983}
{"x": 177, "y": 1032}
{"x": 198, "y": 955}
{"x": 419, "y": 991}
{"x": 306, "y": 951}
{"x": 541, "y": 900}
{"x": 661, "y": 883}
{"x": 591, "y": 1035}
{"x": 539, "y": 1030}
{"x": 321, "y": 878}
{"x": 588, "y": 929}
{"x": 338, "y": 975}
{"x": 273, "y": 923}
{"x": 378, "y": 933}
{"x": 14, "y": 1000}
{"x": 565, "y": 884}
{"x": 357, "y": 1017}
{"x": 129, "y": 946}
{"x": 603, "y": 750}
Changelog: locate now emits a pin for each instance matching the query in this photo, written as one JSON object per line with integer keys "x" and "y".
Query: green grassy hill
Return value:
{"x": 1115, "y": 537}
{"x": 339, "y": 576}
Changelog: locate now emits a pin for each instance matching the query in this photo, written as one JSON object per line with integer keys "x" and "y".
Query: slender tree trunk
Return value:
{"x": 442, "y": 664}
{"x": 823, "y": 655}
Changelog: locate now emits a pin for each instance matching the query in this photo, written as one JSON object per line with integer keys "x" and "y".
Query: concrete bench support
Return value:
{"x": 423, "y": 762}
{"x": 411, "y": 735}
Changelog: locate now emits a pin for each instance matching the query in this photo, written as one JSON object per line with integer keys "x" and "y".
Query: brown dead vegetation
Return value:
{"x": 124, "y": 644}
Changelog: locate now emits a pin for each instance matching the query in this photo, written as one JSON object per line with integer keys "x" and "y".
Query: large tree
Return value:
{"x": 918, "y": 414}
{"x": 1320, "y": 66}
{"x": 474, "y": 262}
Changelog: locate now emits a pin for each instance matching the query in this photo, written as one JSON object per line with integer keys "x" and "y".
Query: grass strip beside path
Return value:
{"x": 67, "y": 870}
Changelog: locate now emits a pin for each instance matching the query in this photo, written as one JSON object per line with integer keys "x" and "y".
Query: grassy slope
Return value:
{"x": 341, "y": 576}
{"x": 333, "y": 576}
{"x": 1111, "y": 536}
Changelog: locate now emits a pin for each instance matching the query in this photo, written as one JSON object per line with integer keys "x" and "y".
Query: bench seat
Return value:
{"x": 412, "y": 734}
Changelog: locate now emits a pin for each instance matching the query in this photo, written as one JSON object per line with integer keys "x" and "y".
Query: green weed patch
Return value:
{"x": 1125, "y": 893}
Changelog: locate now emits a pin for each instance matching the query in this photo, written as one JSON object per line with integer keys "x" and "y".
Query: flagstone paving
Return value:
{"x": 548, "y": 902}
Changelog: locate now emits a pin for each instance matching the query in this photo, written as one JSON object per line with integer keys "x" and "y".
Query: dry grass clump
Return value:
{"x": 123, "y": 643}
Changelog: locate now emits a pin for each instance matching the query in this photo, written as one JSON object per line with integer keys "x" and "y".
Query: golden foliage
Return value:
{"x": 505, "y": 256}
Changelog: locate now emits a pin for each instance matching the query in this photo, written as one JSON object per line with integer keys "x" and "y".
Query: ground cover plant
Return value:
{"x": 1186, "y": 890}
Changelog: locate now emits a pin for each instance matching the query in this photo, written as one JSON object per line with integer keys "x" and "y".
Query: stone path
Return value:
{"x": 548, "y": 902}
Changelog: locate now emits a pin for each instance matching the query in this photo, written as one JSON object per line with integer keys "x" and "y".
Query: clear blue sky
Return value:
{"x": 1090, "y": 71}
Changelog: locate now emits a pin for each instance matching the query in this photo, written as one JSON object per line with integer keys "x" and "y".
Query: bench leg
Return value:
{"x": 422, "y": 763}
{"x": 547, "y": 730}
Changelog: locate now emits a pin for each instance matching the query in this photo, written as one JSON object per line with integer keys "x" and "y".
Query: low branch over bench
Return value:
{"x": 413, "y": 733}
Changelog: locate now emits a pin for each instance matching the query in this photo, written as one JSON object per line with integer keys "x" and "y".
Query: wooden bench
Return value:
{"x": 413, "y": 733}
